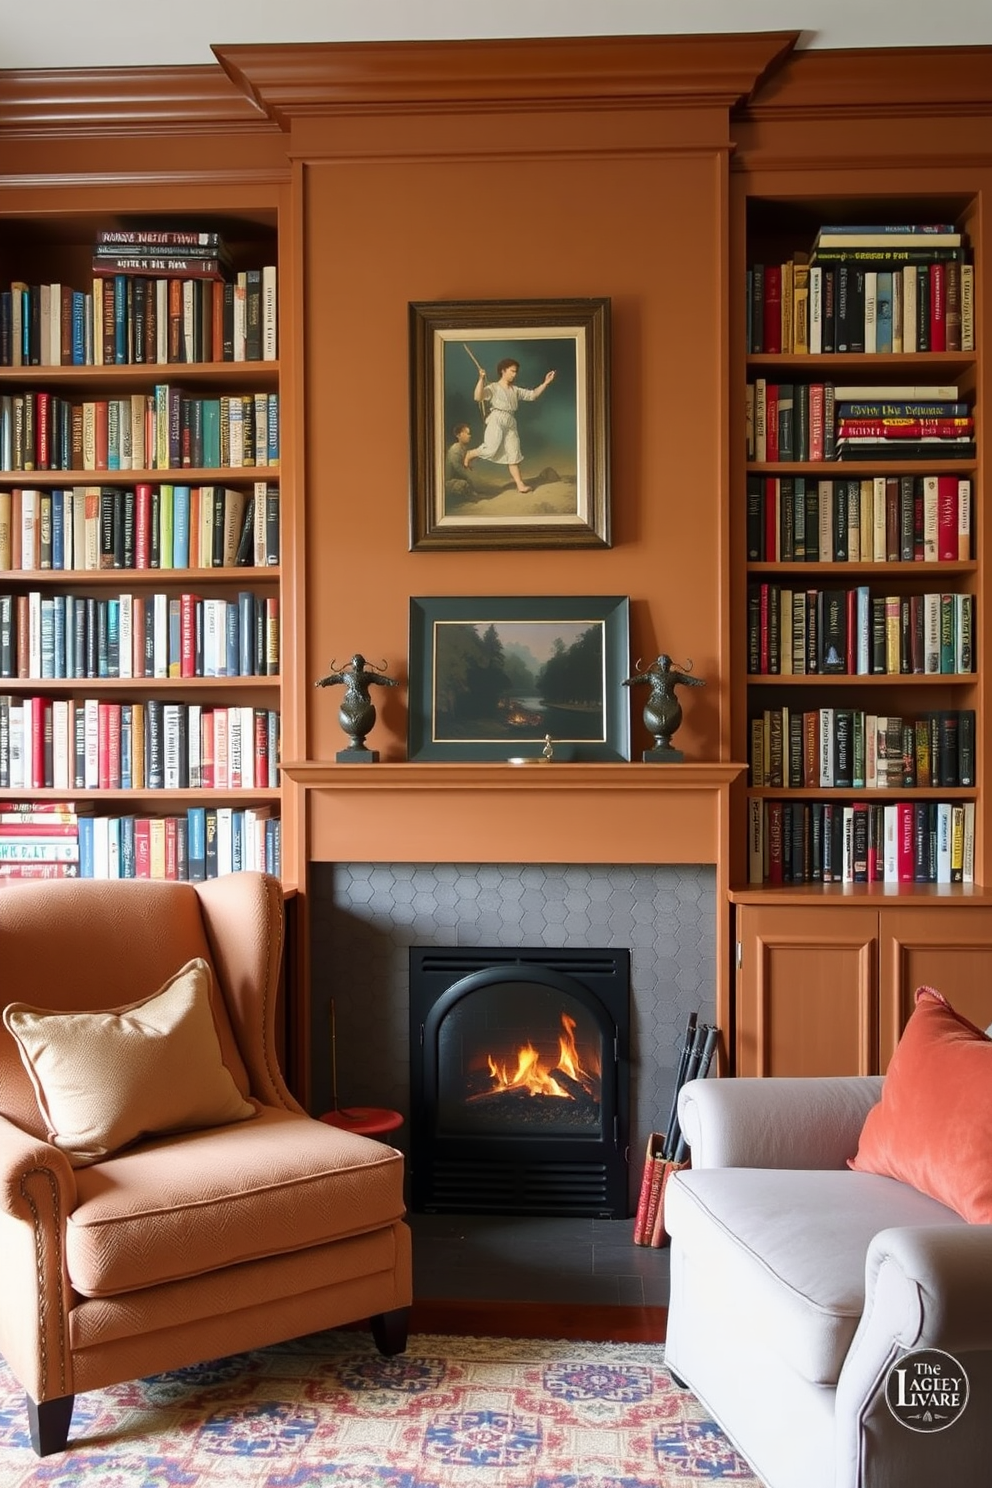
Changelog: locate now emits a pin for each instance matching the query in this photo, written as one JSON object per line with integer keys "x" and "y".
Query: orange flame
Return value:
{"x": 538, "y": 1076}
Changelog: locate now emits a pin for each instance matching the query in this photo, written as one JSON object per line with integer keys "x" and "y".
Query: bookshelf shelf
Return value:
{"x": 849, "y": 793}
{"x": 843, "y": 469}
{"x": 865, "y": 367}
{"x": 156, "y": 578}
{"x": 880, "y": 571}
{"x": 137, "y": 375}
{"x": 62, "y": 686}
{"x": 179, "y": 475}
{"x": 243, "y": 796}
{"x": 898, "y": 680}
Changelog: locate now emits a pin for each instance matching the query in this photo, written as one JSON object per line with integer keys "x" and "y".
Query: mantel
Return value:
{"x": 570, "y": 813}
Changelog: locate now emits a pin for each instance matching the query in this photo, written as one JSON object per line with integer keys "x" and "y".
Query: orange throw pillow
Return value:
{"x": 933, "y": 1126}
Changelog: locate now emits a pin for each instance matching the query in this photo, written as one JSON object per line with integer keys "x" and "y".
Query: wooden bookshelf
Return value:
{"x": 52, "y": 243}
{"x": 825, "y": 972}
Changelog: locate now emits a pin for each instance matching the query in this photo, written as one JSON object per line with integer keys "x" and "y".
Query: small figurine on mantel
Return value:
{"x": 356, "y": 714}
{"x": 662, "y": 711}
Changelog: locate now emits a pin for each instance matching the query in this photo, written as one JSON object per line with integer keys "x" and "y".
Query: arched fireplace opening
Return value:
{"x": 519, "y": 1081}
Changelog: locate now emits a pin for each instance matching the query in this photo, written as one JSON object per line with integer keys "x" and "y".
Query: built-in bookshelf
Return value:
{"x": 861, "y": 533}
{"x": 140, "y": 556}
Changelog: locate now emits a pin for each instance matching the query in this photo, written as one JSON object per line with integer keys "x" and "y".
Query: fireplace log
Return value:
{"x": 575, "y": 1089}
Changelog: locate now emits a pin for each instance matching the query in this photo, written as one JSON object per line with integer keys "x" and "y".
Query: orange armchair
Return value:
{"x": 193, "y": 1244}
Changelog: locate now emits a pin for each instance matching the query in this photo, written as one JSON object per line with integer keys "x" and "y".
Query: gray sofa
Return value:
{"x": 796, "y": 1283}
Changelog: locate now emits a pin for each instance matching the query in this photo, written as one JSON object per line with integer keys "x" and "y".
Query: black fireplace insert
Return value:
{"x": 519, "y": 1080}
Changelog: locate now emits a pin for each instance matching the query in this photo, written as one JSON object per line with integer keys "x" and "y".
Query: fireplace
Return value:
{"x": 519, "y": 1080}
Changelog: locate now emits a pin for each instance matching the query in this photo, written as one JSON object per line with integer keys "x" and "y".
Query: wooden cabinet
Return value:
{"x": 826, "y": 988}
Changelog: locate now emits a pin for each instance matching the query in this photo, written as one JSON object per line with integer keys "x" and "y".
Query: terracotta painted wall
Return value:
{"x": 640, "y": 221}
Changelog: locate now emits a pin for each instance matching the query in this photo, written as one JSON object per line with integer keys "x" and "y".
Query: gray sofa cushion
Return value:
{"x": 794, "y": 1244}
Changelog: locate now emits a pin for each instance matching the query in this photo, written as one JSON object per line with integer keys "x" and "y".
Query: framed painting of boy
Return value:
{"x": 509, "y": 424}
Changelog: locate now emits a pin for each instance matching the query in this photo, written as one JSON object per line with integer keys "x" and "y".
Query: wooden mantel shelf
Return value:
{"x": 475, "y": 812}
{"x": 401, "y": 775}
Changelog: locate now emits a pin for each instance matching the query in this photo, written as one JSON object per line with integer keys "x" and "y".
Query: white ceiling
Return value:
{"x": 125, "y": 33}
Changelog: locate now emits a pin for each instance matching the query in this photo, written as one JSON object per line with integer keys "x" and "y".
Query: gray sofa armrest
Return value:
{"x": 943, "y": 1272}
{"x": 776, "y": 1123}
{"x": 925, "y": 1287}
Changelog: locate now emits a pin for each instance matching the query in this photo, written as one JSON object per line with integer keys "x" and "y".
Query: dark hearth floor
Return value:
{"x": 477, "y": 1257}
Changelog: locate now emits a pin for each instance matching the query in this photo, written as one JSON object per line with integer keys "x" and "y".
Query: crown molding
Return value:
{"x": 124, "y": 100}
{"x": 292, "y": 81}
{"x": 875, "y": 82}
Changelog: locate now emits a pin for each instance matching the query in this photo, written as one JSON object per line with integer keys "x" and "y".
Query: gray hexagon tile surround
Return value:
{"x": 365, "y": 916}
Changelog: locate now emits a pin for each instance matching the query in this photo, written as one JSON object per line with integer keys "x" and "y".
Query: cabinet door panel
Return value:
{"x": 949, "y": 949}
{"x": 807, "y": 991}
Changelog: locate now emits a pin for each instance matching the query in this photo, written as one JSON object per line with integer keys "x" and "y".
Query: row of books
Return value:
{"x": 76, "y": 636}
{"x": 94, "y": 744}
{"x": 809, "y": 632}
{"x": 899, "y": 842}
{"x": 145, "y": 526}
{"x": 166, "y": 429}
{"x": 837, "y": 748}
{"x": 873, "y": 519}
{"x": 820, "y": 421}
{"x": 207, "y": 842}
{"x": 862, "y": 300}
{"x": 134, "y": 312}
{"x": 204, "y": 842}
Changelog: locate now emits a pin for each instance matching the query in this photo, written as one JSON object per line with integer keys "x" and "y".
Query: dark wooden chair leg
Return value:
{"x": 49, "y": 1423}
{"x": 389, "y": 1330}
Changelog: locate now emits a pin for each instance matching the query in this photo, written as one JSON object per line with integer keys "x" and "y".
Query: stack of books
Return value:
{"x": 39, "y": 839}
{"x": 903, "y": 422}
{"x": 157, "y": 253}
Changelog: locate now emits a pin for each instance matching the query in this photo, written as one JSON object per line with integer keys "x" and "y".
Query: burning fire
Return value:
{"x": 539, "y": 1077}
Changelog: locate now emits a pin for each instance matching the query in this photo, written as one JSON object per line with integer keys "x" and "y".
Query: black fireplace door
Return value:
{"x": 516, "y": 1086}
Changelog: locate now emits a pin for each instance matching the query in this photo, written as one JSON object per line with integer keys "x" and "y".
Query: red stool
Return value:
{"x": 370, "y": 1121}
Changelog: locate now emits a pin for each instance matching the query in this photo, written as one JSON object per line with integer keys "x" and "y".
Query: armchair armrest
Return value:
{"x": 776, "y": 1123}
{"x": 37, "y": 1194}
{"x": 37, "y": 1182}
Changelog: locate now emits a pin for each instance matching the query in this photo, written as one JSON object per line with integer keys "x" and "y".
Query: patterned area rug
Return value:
{"x": 329, "y": 1412}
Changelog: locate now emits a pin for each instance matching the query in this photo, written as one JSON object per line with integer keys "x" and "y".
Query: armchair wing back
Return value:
{"x": 187, "y": 1244}
{"x": 87, "y": 945}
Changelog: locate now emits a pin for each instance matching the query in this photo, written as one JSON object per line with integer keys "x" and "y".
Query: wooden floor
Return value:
{"x": 599, "y": 1324}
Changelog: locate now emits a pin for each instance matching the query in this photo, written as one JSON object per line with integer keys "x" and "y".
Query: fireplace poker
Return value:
{"x": 703, "y": 1047}
{"x": 672, "y": 1129}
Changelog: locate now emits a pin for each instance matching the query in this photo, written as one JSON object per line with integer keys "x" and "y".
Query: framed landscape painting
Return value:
{"x": 493, "y": 678}
{"x": 509, "y": 424}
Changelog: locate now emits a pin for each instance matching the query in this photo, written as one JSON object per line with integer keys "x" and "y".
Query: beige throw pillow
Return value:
{"x": 106, "y": 1079}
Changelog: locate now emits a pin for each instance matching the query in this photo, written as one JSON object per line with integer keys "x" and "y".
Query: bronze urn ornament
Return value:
{"x": 663, "y": 711}
{"x": 356, "y": 713}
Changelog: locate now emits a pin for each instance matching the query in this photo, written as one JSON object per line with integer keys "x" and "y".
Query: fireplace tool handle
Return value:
{"x": 334, "y": 1060}
{"x": 367, "y": 1120}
